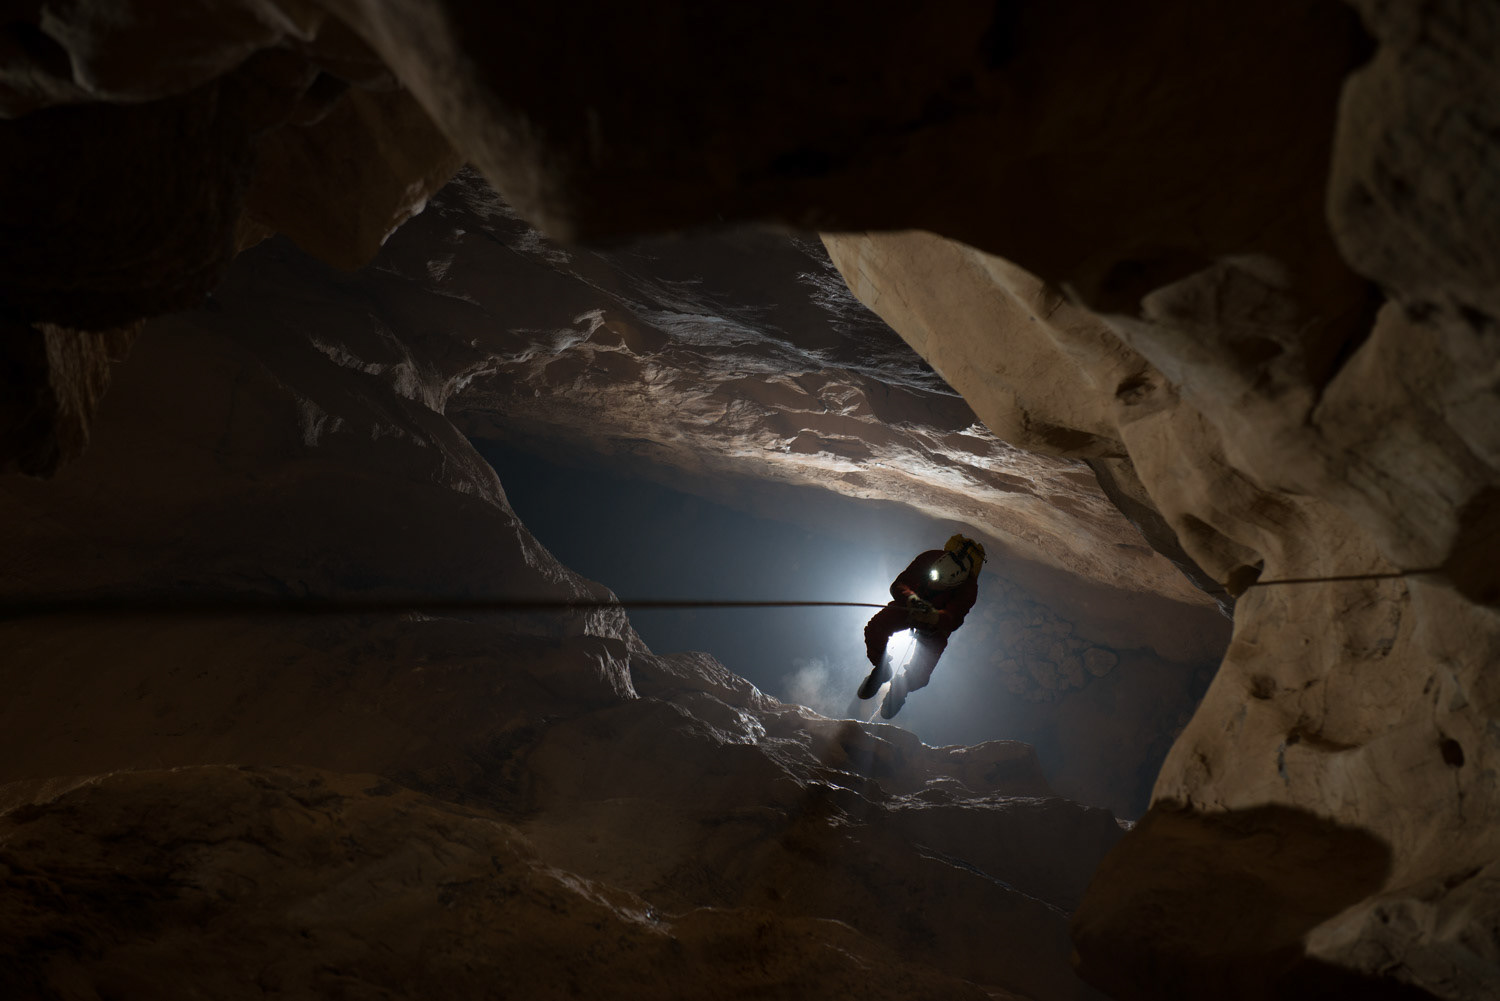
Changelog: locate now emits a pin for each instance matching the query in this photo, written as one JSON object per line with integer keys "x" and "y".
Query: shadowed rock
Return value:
{"x": 1150, "y": 928}
{"x": 234, "y": 882}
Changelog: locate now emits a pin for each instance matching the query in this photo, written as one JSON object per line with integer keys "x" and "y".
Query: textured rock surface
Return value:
{"x": 720, "y": 353}
{"x": 1358, "y": 706}
{"x": 738, "y": 357}
{"x": 691, "y": 834}
{"x": 240, "y": 882}
{"x": 1317, "y": 705}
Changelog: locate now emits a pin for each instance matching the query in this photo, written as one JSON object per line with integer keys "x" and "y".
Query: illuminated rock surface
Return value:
{"x": 741, "y": 356}
{"x": 470, "y": 312}
{"x": 738, "y": 365}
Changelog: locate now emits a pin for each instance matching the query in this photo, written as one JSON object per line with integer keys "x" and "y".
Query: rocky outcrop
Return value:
{"x": 1278, "y": 449}
{"x": 849, "y": 124}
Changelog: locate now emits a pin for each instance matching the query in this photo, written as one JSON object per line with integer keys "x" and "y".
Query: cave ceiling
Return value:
{"x": 722, "y": 361}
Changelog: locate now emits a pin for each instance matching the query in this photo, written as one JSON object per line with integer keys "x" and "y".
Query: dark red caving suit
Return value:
{"x": 952, "y": 605}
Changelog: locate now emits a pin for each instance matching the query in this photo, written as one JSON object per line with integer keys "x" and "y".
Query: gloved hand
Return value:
{"x": 920, "y": 612}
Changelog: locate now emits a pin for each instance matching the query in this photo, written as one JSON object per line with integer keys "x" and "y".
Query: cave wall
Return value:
{"x": 1282, "y": 215}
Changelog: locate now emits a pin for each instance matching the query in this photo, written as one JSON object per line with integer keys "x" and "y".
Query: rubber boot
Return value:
{"x": 894, "y": 699}
{"x": 877, "y": 677}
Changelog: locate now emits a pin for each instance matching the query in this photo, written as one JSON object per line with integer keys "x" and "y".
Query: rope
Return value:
{"x": 207, "y": 606}
{"x": 187, "y": 606}
{"x": 910, "y": 645}
{"x": 1333, "y": 580}
{"x": 898, "y": 668}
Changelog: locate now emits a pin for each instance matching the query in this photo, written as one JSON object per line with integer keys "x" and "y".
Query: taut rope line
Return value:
{"x": 192, "y": 605}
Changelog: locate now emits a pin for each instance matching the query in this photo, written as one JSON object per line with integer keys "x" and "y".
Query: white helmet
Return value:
{"x": 947, "y": 572}
{"x": 961, "y": 559}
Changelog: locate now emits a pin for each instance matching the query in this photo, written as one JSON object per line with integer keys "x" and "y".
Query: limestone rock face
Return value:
{"x": 1277, "y": 449}
{"x": 1320, "y": 704}
{"x": 228, "y": 788}
{"x": 737, "y": 358}
{"x": 735, "y": 366}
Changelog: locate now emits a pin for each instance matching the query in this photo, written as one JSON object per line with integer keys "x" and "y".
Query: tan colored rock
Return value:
{"x": 1411, "y": 194}
{"x": 1317, "y": 706}
{"x": 1276, "y": 447}
{"x": 1050, "y": 392}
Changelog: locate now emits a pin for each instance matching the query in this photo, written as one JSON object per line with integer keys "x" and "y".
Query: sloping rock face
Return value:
{"x": 737, "y": 357}
{"x": 1347, "y": 712}
{"x": 578, "y": 814}
{"x": 739, "y": 365}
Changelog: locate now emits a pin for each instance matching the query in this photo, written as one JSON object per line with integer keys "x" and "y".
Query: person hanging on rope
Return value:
{"x": 932, "y": 596}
